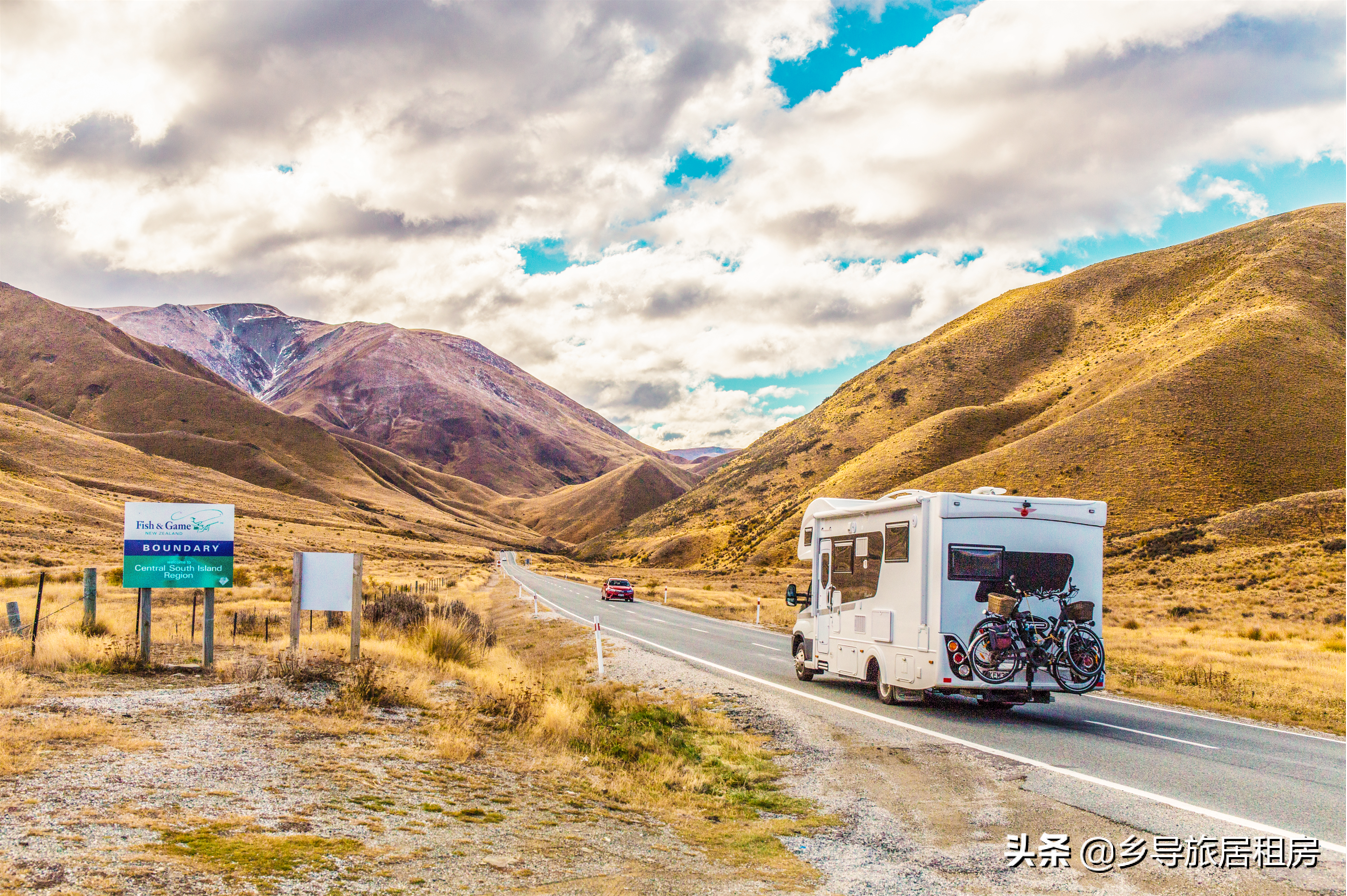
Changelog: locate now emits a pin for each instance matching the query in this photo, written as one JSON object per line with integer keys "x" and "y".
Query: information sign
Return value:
{"x": 178, "y": 546}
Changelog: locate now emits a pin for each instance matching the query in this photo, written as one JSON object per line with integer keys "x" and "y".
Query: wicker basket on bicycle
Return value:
{"x": 1002, "y": 604}
{"x": 1080, "y": 611}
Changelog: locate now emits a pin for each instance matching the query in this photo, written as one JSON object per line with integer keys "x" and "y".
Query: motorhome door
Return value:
{"x": 824, "y": 618}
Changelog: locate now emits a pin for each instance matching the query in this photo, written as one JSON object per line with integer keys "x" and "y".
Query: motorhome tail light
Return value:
{"x": 957, "y": 656}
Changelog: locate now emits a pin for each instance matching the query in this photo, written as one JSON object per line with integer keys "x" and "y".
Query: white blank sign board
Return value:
{"x": 326, "y": 581}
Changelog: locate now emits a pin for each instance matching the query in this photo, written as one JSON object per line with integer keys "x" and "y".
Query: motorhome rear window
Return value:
{"x": 895, "y": 543}
{"x": 968, "y": 562}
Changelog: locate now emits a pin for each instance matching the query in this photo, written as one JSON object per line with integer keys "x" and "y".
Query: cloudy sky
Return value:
{"x": 697, "y": 218}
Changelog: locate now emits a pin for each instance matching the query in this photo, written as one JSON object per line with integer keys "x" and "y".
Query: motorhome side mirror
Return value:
{"x": 792, "y": 597}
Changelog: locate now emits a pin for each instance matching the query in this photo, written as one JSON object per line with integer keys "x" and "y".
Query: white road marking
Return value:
{"x": 1197, "y": 715}
{"x": 949, "y": 738}
{"x": 1178, "y": 740}
{"x": 765, "y": 647}
{"x": 702, "y": 630}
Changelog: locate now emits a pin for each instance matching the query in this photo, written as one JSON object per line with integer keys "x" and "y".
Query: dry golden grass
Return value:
{"x": 14, "y": 687}
{"x": 26, "y": 744}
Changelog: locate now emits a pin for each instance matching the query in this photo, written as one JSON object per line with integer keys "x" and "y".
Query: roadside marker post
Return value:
{"x": 535, "y": 605}
{"x": 598, "y": 643}
{"x": 757, "y": 620}
{"x": 666, "y": 594}
{"x": 90, "y": 599}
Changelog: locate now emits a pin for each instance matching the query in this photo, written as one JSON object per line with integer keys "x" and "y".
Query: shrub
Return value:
{"x": 401, "y": 610}
{"x": 1131, "y": 625}
{"x": 364, "y": 684}
{"x": 1335, "y": 545}
{"x": 298, "y": 670}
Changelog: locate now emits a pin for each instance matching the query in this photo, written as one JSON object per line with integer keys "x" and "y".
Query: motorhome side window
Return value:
{"x": 895, "y": 543}
{"x": 808, "y": 536}
{"x": 856, "y": 562}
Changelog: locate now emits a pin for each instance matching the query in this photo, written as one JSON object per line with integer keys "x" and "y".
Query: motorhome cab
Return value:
{"x": 899, "y": 583}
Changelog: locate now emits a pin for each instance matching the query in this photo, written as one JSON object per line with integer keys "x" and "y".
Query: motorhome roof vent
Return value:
{"x": 988, "y": 490}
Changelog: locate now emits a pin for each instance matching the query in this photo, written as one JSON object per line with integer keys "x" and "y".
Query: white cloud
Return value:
{"x": 777, "y": 392}
{"x": 143, "y": 144}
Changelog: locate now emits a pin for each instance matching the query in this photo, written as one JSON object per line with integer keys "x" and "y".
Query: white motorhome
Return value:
{"x": 899, "y": 583}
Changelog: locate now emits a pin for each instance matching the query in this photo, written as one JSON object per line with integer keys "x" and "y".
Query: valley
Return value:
{"x": 1198, "y": 390}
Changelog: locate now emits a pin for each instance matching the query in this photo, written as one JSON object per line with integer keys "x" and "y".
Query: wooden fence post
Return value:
{"x": 143, "y": 616}
{"x": 357, "y": 605}
{"x": 295, "y": 587}
{"x": 37, "y": 612}
{"x": 90, "y": 599}
{"x": 208, "y": 629}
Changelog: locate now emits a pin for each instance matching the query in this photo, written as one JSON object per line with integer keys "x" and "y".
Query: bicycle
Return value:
{"x": 1011, "y": 639}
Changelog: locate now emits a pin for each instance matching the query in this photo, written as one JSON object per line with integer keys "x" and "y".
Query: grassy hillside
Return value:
{"x": 1177, "y": 383}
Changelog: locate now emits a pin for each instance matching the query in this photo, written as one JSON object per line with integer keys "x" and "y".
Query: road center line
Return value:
{"x": 765, "y": 647}
{"x": 1177, "y": 740}
{"x": 702, "y": 630}
{"x": 949, "y": 738}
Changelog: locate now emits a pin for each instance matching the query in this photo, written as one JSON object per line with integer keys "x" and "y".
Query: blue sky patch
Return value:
{"x": 816, "y": 385}
{"x": 857, "y": 36}
{"x": 1285, "y": 187}
{"x": 693, "y": 167}
{"x": 544, "y": 256}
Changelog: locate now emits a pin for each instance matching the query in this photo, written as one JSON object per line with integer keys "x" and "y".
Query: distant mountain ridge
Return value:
{"x": 441, "y": 400}
{"x": 1177, "y": 383}
{"x": 697, "y": 453}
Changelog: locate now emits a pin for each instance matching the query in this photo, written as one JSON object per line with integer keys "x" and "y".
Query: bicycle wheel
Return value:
{"x": 1071, "y": 681}
{"x": 1085, "y": 651}
{"x": 992, "y": 665}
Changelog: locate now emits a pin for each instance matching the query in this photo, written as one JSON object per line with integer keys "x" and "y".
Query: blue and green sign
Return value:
{"x": 178, "y": 546}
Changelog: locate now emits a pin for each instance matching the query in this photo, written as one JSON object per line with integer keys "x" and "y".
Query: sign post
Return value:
{"x": 90, "y": 599}
{"x": 178, "y": 546}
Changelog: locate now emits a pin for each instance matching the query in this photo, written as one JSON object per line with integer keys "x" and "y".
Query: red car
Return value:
{"x": 617, "y": 589}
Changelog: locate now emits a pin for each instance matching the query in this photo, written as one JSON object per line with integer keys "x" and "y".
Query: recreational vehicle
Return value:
{"x": 900, "y": 587}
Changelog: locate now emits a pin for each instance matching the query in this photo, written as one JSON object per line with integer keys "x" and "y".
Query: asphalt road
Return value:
{"x": 1289, "y": 781}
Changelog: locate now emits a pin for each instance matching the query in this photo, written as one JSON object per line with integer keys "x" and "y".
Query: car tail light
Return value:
{"x": 958, "y": 657}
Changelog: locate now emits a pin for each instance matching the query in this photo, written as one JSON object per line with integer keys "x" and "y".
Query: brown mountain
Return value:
{"x": 97, "y": 385}
{"x": 1182, "y": 382}
{"x": 440, "y": 400}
